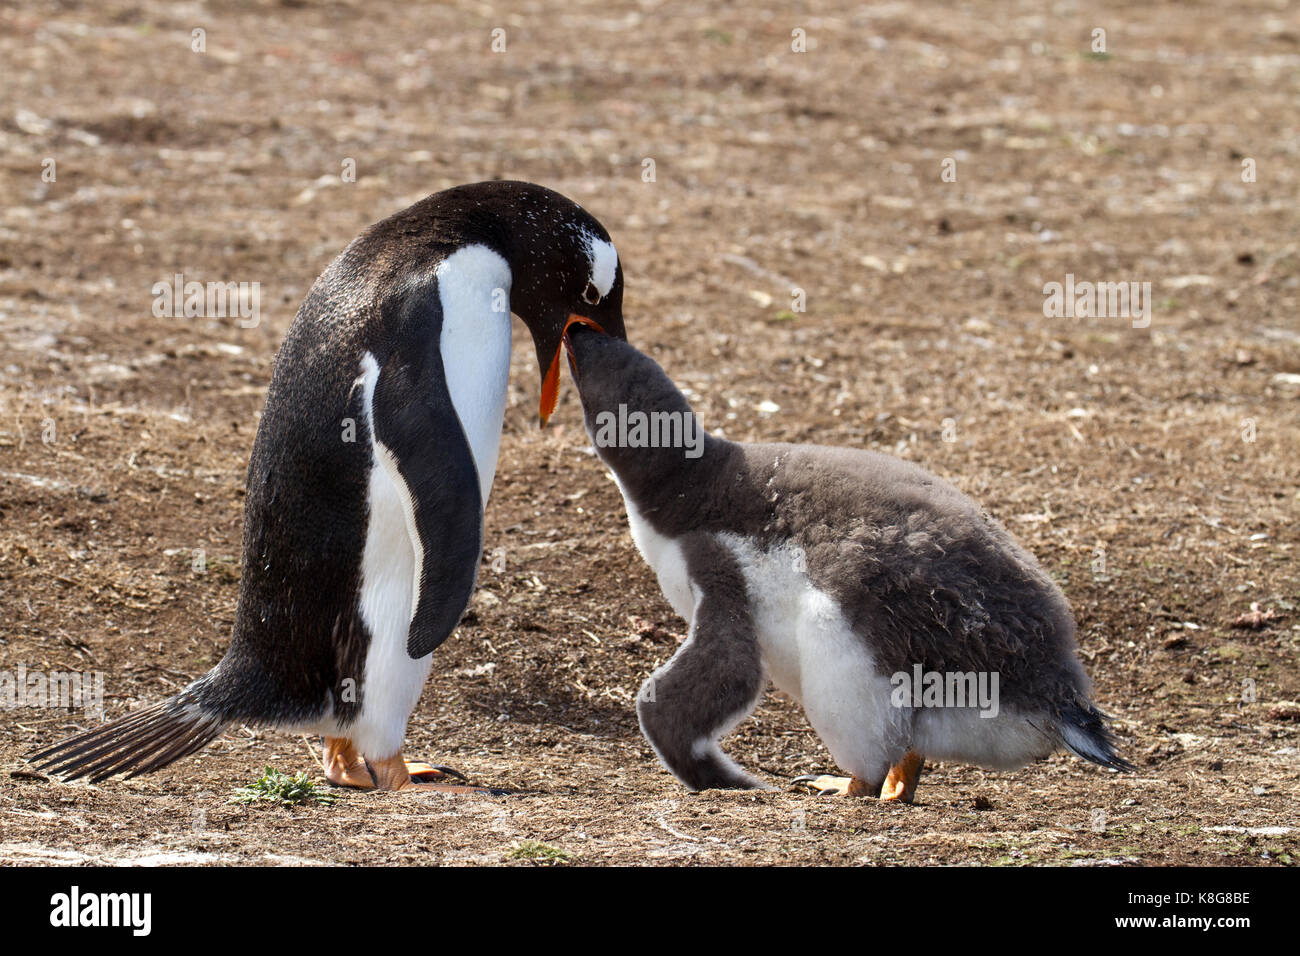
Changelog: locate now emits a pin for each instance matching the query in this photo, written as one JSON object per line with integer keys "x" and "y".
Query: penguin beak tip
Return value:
{"x": 551, "y": 382}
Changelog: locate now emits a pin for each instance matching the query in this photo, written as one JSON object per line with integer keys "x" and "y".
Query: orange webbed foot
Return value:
{"x": 346, "y": 767}
{"x": 901, "y": 783}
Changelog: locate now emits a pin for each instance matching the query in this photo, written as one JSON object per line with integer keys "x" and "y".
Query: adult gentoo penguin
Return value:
{"x": 833, "y": 572}
{"x": 363, "y": 524}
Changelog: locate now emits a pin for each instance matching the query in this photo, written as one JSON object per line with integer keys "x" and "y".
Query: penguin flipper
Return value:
{"x": 420, "y": 442}
{"x": 713, "y": 681}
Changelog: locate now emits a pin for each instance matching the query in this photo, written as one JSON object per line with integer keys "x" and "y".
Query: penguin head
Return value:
{"x": 561, "y": 260}
{"x": 563, "y": 265}
{"x": 567, "y": 272}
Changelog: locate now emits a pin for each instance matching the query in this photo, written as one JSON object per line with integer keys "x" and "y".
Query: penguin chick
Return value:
{"x": 842, "y": 575}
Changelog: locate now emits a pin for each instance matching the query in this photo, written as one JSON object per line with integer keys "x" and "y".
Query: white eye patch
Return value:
{"x": 604, "y": 263}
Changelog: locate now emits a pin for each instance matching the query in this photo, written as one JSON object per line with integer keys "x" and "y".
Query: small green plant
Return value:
{"x": 276, "y": 787}
{"x": 539, "y": 852}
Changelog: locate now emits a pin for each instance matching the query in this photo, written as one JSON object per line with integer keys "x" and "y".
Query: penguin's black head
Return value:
{"x": 564, "y": 273}
{"x": 562, "y": 265}
{"x": 561, "y": 260}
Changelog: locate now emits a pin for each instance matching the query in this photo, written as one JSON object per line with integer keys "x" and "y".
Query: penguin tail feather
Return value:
{"x": 1083, "y": 730}
{"x": 140, "y": 742}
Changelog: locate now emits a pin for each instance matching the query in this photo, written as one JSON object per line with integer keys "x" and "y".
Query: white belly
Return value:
{"x": 391, "y": 682}
{"x": 665, "y": 557}
{"x": 811, "y": 652}
{"x": 390, "y": 568}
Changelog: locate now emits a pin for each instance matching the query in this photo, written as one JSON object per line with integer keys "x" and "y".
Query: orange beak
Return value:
{"x": 551, "y": 384}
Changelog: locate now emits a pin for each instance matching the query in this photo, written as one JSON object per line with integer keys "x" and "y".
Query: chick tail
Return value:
{"x": 1083, "y": 730}
{"x": 140, "y": 742}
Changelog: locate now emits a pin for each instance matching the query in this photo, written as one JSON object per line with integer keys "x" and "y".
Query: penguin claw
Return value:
{"x": 428, "y": 776}
{"x": 421, "y": 772}
{"x": 821, "y": 783}
{"x": 345, "y": 767}
{"x": 826, "y": 785}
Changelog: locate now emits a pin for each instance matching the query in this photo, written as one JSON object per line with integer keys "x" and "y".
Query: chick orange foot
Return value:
{"x": 899, "y": 785}
{"x": 901, "y": 782}
{"x": 827, "y": 785}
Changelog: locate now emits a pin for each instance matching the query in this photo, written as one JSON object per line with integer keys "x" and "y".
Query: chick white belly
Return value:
{"x": 806, "y": 645}
{"x": 810, "y": 651}
{"x": 666, "y": 559}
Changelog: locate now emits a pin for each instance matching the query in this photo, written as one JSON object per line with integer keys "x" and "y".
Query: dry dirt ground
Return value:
{"x": 1121, "y": 456}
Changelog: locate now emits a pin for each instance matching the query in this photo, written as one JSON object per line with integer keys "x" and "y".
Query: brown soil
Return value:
{"x": 1095, "y": 442}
